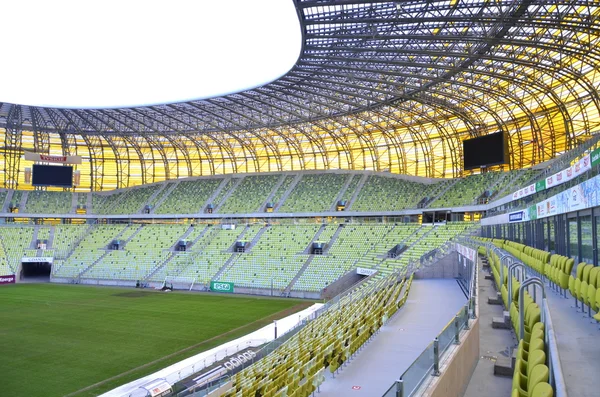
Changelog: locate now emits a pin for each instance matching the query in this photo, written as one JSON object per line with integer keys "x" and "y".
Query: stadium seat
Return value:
{"x": 542, "y": 389}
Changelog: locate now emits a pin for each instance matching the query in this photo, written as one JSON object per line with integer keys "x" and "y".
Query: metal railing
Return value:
{"x": 271, "y": 346}
{"x": 529, "y": 279}
{"x": 428, "y": 362}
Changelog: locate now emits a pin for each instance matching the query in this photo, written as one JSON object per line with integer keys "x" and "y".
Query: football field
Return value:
{"x": 58, "y": 340}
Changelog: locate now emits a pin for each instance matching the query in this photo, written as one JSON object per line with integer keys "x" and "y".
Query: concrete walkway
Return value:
{"x": 493, "y": 344}
{"x": 578, "y": 348}
{"x": 431, "y": 304}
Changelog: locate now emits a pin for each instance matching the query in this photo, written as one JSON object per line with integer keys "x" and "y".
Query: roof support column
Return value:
{"x": 12, "y": 151}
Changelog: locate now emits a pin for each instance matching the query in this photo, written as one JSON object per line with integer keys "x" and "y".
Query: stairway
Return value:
{"x": 88, "y": 203}
{"x": 341, "y": 192}
{"x": 151, "y": 198}
{"x": 440, "y": 194}
{"x": 509, "y": 188}
{"x": 117, "y": 237}
{"x": 315, "y": 238}
{"x": 215, "y": 193}
{"x": 167, "y": 192}
{"x": 255, "y": 239}
{"x": 74, "y": 202}
{"x": 287, "y": 289}
{"x": 273, "y": 192}
{"x": 7, "y": 201}
{"x": 23, "y": 203}
{"x": 228, "y": 194}
{"x": 226, "y": 265}
{"x": 359, "y": 187}
{"x": 182, "y": 237}
{"x": 288, "y": 191}
{"x": 75, "y": 243}
{"x": 193, "y": 242}
{"x": 32, "y": 244}
{"x": 238, "y": 238}
{"x": 159, "y": 266}
{"x": 332, "y": 239}
{"x": 51, "y": 238}
{"x": 80, "y": 275}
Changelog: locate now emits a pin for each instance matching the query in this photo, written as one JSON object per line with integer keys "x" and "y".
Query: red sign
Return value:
{"x": 355, "y": 387}
{"x": 53, "y": 159}
{"x": 7, "y": 279}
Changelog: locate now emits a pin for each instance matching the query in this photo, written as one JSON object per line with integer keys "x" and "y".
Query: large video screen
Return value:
{"x": 485, "y": 151}
{"x": 52, "y": 175}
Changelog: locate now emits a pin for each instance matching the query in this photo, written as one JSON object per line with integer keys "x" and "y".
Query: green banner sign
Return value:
{"x": 219, "y": 286}
{"x": 540, "y": 185}
{"x": 595, "y": 157}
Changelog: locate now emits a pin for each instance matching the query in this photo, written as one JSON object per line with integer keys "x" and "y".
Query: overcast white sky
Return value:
{"x": 122, "y": 53}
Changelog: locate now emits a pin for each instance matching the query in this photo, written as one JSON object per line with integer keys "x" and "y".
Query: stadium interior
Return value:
{"x": 431, "y": 266}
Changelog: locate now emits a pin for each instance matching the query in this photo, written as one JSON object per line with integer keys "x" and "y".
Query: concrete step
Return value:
{"x": 503, "y": 367}
{"x": 495, "y": 300}
{"x": 502, "y": 322}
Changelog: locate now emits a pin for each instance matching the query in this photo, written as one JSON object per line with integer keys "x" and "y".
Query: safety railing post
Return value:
{"x": 511, "y": 271}
{"x": 522, "y": 288}
{"x": 457, "y": 329}
{"x": 400, "y": 388}
{"x": 436, "y": 357}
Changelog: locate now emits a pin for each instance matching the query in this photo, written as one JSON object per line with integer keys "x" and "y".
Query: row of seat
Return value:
{"x": 188, "y": 197}
{"x": 314, "y": 192}
{"x": 530, "y": 373}
{"x": 250, "y": 194}
{"x": 296, "y": 368}
{"x": 585, "y": 288}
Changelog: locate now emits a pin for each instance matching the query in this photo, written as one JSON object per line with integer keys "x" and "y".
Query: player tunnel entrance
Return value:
{"x": 35, "y": 270}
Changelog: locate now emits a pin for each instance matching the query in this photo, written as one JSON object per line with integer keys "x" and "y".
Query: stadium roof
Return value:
{"x": 379, "y": 85}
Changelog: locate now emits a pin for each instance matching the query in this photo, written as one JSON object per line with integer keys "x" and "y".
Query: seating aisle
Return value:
{"x": 493, "y": 344}
{"x": 432, "y": 303}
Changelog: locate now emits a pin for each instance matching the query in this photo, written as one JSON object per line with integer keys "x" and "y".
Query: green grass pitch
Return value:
{"x": 56, "y": 340}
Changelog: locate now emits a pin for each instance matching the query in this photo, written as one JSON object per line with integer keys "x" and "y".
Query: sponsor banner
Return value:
{"x": 526, "y": 191}
{"x": 585, "y": 195}
{"x": 48, "y": 158}
{"x": 238, "y": 360}
{"x": 532, "y": 212}
{"x": 159, "y": 388}
{"x": 365, "y": 272}
{"x": 551, "y": 181}
{"x": 518, "y": 216}
{"x": 541, "y": 209}
{"x": 582, "y": 165}
{"x": 220, "y": 286}
{"x": 595, "y": 158}
{"x": 10, "y": 279}
{"x": 551, "y": 206}
{"x": 540, "y": 185}
{"x": 37, "y": 259}
{"x": 586, "y": 163}
{"x": 467, "y": 252}
{"x": 576, "y": 199}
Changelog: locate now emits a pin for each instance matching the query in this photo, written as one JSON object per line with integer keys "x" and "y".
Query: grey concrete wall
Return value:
{"x": 341, "y": 284}
{"x": 447, "y": 267}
